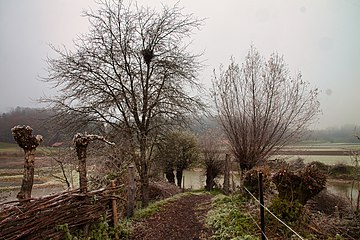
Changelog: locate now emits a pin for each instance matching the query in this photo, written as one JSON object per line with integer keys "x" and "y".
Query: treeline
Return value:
{"x": 42, "y": 123}
{"x": 343, "y": 134}
{"x": 38, "y": 119}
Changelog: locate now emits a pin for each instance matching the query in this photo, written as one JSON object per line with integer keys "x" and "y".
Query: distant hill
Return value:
{"x": 343, "y": 134}
{"x": 37, "y": 119}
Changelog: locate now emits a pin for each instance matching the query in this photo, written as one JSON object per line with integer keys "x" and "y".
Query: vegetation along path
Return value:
{"x": 181, "y": 219}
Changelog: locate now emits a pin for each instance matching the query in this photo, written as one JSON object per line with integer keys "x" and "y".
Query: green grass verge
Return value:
{"x": 9, "y": 148}
{"x": 4, "y": 145}
{"x": 229, "y": 220}
{"x": 155, "y": 207}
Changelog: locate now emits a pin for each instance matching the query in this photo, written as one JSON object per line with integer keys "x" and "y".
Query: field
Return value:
{"x": 12, "y": 158}
{"x": 11, "y": 172}
{"x": 328, "y": 153}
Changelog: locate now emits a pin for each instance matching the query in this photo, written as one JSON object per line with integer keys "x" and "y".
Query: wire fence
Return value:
{"x": 257, "y": 225}
{"x": 272, "y": 214}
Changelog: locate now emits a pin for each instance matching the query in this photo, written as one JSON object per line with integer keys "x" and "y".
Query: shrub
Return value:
{"x": 301, "y": 185}
{"x": 99, "y": 231}
{"x": 342, "y": 171}
{"x": 323, "y": 168}
{"x": 297, "y": 164}
{"x": 290, "y": 212}
{"x": 251, "y": 179}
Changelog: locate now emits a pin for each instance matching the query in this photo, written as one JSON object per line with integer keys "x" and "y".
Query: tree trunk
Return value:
{"x": 131, "y": 192}
{"x": 209, "y": 179}
{"x": 24, "y": 138}
{"x": 81, "y": 153}
{"x": 179, "y": 176}
{"x": 144, "y": 179}
{"x": 170, "y": 176}
{"x": 28, "y": 177}
{"x": 227, "y": 175}
{"x": 144, "y": 172}
{"x": 81, "y": 143}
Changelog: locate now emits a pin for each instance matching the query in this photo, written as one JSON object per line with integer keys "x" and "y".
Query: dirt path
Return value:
{"x": 178, "y": 220}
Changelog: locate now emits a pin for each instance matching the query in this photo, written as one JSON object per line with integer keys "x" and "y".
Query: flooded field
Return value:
{"x": 11, "y": 167}
{"x": 11, "y": 174}
{"x": 195, "y": 179}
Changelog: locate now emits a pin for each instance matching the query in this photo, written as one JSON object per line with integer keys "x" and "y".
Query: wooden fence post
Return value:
{"x": 227, "y": 174}
{"x": 131, "y": 191}
{"x": 114, "y": 210}
{"x": 262, "y": 213}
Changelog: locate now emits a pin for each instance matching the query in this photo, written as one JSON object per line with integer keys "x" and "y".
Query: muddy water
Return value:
{"x": 344, "y": 188}
{"x": 6, "y": 196}
{"x": 195, "y": 179}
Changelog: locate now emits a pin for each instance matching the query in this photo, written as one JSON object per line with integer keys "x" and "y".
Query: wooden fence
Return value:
{"x": 41, "y": 218}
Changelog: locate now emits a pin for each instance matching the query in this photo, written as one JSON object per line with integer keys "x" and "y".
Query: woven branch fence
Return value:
{"x": 40, "y": 218}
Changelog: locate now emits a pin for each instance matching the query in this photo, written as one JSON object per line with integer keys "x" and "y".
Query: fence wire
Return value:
{"x": 257, "y": 225}
{"x": 272, "y": 214}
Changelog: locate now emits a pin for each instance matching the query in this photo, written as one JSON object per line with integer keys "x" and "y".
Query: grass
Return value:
{"x": 4, "y": 145}
{"x": 10, "y": 149}
{"x": 229, "y": 220}
{"x": 155, "y": 207}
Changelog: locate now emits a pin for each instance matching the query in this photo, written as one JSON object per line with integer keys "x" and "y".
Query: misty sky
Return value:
{"x": 321, "y": 39}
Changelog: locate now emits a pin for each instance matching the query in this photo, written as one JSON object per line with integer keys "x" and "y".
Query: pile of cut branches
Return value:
{"x": 40, "y": 218}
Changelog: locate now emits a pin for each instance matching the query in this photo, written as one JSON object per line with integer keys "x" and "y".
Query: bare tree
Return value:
{"x": 131, "y": 72}
{"x": 261, "y": 107}
{"x": 210, "y": 143}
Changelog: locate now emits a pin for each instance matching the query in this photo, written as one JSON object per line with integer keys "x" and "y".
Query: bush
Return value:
{"x": 251, "y": 179}
{"x": 289, "y": 212}
{"x": 342, "y": 171}
{"x": 323, "y": 168}
{"x": 300, "y": 185}
{"x": 99, "y": 231}
{"x": 297, "y": 164}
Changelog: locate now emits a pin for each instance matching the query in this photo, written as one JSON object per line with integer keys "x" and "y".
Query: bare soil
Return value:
{"x": 182, "y": 219}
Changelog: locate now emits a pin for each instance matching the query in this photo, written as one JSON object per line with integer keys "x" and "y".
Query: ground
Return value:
{"x": 182, "y": 219}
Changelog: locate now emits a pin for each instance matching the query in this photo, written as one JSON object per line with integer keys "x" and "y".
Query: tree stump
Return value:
{"x": 24, "y": 138}
{"x": 81, "y": 142}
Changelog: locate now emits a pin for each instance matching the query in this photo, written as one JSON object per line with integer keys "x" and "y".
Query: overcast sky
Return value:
{"x": 321, "y": 39}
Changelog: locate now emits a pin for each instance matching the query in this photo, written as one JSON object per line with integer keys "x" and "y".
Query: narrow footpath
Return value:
{"x": 180, "y": 220}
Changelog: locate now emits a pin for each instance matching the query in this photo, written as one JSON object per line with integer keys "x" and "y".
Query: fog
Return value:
{"x": 318, "y": 38}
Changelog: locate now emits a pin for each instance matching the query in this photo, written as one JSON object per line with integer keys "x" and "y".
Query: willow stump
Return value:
{"x": 24, "y": 138}
{"x": 81, "y": 142}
